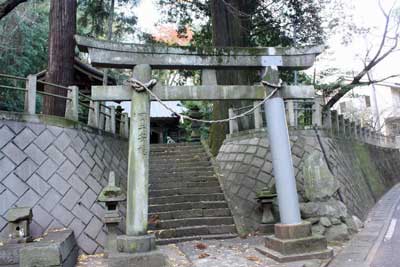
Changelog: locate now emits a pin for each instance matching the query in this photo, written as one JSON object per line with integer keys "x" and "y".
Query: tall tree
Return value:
{"x": 61, "y": 53}
{"x": 230, "y": 27}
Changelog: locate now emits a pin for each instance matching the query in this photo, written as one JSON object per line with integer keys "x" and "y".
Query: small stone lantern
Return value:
{"x": 18, "y": 223}
{"x": 266, "y": 197}
{"x": 195, "y": 135}
{"x": 111, "y": 195}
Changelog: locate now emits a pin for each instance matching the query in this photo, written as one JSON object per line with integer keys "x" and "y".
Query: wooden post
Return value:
{"x": 72, "y": 105}
{"x": 335, "y": 122}
{"x": 30, "y": 95}
{"x": 258, "y": 120}
{"x": 341, "y": 125}
{"x": 233, "y": 124}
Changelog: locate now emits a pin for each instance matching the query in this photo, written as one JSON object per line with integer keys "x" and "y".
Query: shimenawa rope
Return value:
{"x": 139, "y": 86}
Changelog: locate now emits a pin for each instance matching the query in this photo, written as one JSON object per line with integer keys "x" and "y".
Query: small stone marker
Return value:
{"x": 18, "y": 224}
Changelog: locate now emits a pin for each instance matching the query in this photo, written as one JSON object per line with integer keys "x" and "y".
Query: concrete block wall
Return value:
{"x": 364, "y": 171}
{"x": 58, "y": 169}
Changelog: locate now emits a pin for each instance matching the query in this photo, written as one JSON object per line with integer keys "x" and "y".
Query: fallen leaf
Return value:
{"x": 203, "y": 255}
{"x": 252, "y": 258}
{"x": 201, "y": 246}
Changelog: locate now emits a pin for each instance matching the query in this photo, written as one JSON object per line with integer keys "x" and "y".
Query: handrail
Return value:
{"x": 85, "y": 105}
{"x": 55, "y": 85}
{"x": 13, "y": 77}
{"x": 105, "y": 106}
{"x": 85, "y": 96}
{"x": 54, "y": 95}
{"x": 13, "y": 88}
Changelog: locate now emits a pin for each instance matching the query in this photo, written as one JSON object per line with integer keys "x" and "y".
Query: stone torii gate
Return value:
{"x": 143, "y": 59}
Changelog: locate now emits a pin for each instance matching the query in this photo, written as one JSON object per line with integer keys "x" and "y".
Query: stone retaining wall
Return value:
{"x": 58, "y": 167}
{"x": 361, "y": 172}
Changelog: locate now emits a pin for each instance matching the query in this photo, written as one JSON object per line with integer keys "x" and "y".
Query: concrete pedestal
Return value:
{"x": 147, "y": 259}
{"x": 295, "y": 242}
{"x": 136, "y": 251}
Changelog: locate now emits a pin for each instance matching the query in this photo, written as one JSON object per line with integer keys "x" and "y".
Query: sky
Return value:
{"x": 346, "y": 57}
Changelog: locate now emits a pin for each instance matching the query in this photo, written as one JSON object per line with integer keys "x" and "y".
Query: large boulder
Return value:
{"x": 319, "y": 183}
{"x": 331, "y": 208}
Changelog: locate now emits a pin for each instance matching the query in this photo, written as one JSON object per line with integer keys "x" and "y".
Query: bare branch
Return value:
{"x": 9, "y": 6}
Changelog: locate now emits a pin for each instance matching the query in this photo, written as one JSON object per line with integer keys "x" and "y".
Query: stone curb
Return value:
{"x": 360, "y": 251}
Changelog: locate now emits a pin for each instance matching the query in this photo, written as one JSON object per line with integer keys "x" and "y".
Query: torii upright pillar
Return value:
{"x": 137, "y": 247}
{"x": 293, "y": 239}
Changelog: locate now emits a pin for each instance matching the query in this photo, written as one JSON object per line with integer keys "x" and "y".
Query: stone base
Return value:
{"x": 265, "y": 228}
{"x": 325, "y": 254}
{"x": 295, "y": 242}
{"x": 147, "y": 259}
{"x": 136, "y": 244}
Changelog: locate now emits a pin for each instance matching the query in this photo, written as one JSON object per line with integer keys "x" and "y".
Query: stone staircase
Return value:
{"x": 186, "y": 201}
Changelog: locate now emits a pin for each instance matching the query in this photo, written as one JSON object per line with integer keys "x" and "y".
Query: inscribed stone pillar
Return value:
{"x": 138, "y": 161}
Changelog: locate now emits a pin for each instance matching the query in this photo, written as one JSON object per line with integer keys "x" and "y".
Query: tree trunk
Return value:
{"x": 230, "y": 27}
{"x": 61, "y": 54}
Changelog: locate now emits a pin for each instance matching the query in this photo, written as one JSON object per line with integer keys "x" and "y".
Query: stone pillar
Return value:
{"x": 138, "y": 161}
{"x": 335, "y": 122}
{"x": 281, "y": 155}
{"x": 317, "y": 112}
{"x": 258, "y": 120}
{"x": 113, "y": 126}
{"x": 327, "y": 121}
{"x": 292, "y": 237}
{"x": 233, "y": 124}
{"x": 126, "y": 125}
{"x": 107, "y": 116}
{"x": 397, "y": 141}
{"x": 137, "y": 248}
{"x": 341, "y": 125}
{"x": 102, "y": 117}
{"x": 30, "y": 95}
{"x": 72, "y": 105}
{"x": 94, "y": 114}
{"x": 291, "y": 113}
{"x": 347, "y": 129}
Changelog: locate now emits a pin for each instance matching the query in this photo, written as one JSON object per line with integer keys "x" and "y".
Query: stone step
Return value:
{"x": 181, "y": 179}
{"x": 180, "y": 173}
{"x": 169, "y": 160}
{"x": 172, "y": 169}
{"x": 212, "y": 182}
{"x": 178, "y": 152}
{"x": 167, "y": 241}
{"x": 184, "y": 191}
{"x": 178, "y": 164}
{"x": 198, "y": 230}
{"x": 187, "y": 198}
{"x": 181, "y": 214}
{"x": 176, "y": 145}
{"x": 185, "y": 206}
{"x": 176, "y": 223}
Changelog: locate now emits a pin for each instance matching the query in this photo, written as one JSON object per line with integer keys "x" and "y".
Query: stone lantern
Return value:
{"x": 18, "y": 223}
{"x": 111, "y": 195}
{"x": 195, "y": 114}
{"x": 266, "y": 198}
